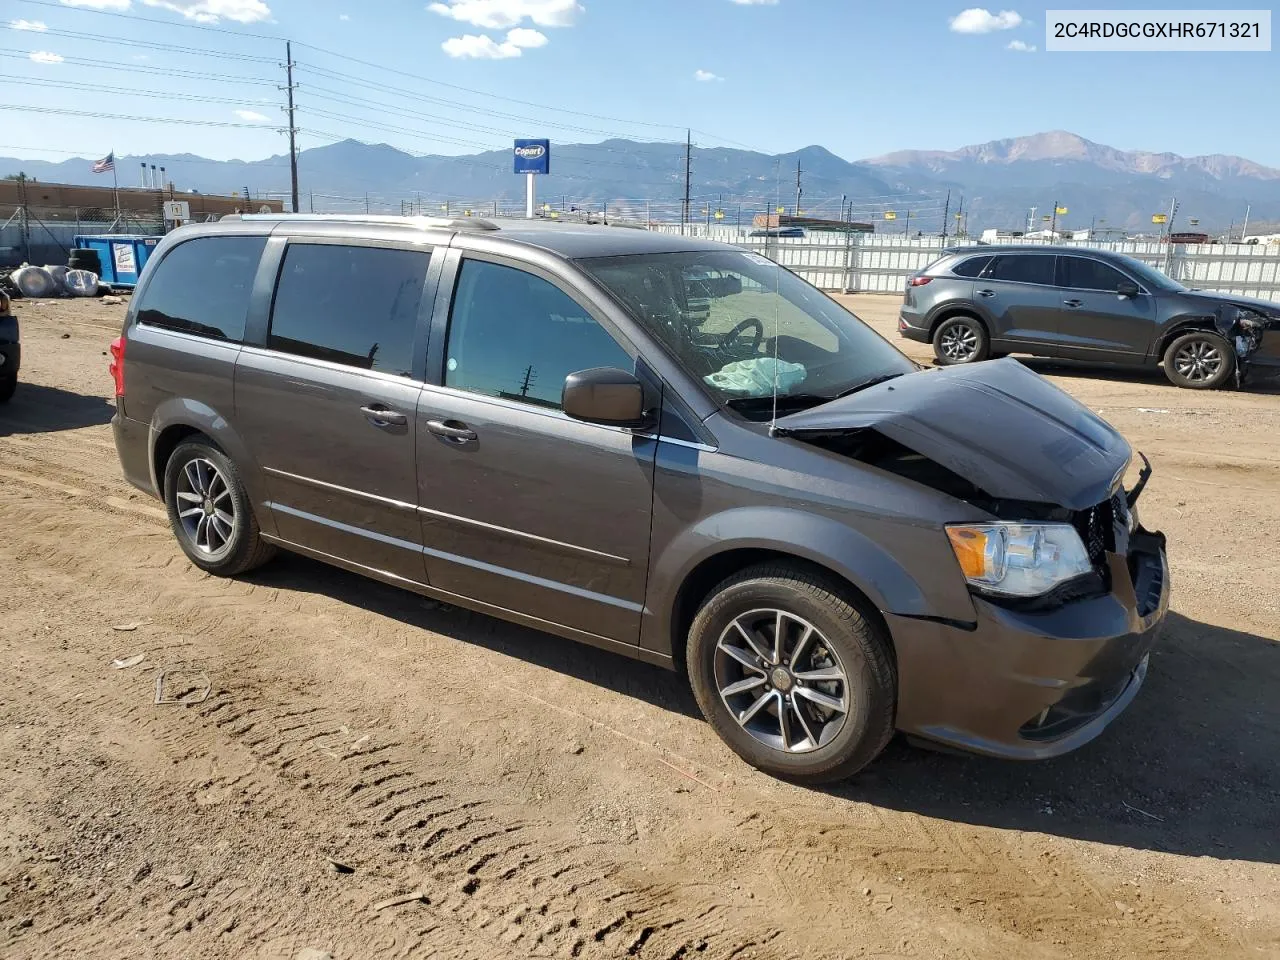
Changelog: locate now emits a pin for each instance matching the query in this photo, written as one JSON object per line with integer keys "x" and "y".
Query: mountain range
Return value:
{"x": 999, "y": 181}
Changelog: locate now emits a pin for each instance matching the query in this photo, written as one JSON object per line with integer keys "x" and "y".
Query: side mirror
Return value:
{"x": 605, "y": 395}
{"x": 1128, "y": 288}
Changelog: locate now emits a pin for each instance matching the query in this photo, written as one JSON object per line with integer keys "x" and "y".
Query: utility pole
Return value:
{"x": 798, "y": 190}
{"x": 1031, "y": 220}
{"x": 946, "y": 213}
{"x": 960, "y": 217}
{"x": 1053, "y": 227}
{"x": 293, "y": 130}
{"x": 26, "y": 219}
{"x": 529, "y": 379}
{"x": 688, "y": 173}
{"x": 1244, "y": 231}
{"x": 848, "y": 239}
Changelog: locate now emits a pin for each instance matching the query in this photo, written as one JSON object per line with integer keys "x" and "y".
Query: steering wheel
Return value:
{"x": 732, "y": 336}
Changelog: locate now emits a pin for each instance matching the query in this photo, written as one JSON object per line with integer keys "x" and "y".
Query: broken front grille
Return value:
{"x": 1096, "y": 527}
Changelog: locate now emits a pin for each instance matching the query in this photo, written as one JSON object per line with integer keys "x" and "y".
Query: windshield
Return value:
{"x": 1149, "y": 276}
{"x": 740, "y": 324}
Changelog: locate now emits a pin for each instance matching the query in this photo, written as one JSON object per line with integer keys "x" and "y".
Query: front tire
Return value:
{"x": 7, "y": 386}
{"x": 1199, "y": 361}
{"x": 791, "y": 674}
{"x": 210, "y": 512}
{"x": 961, "y": 339}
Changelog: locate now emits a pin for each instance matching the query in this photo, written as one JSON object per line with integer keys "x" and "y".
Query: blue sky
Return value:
{"x": 860, "y": 78}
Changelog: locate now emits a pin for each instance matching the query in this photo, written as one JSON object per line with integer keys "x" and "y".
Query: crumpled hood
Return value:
{"x": 1213, "y": 300}
{"x": 996, "y": 424}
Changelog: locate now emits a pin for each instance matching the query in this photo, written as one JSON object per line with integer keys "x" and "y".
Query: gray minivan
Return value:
{"x": 571, "y": 428}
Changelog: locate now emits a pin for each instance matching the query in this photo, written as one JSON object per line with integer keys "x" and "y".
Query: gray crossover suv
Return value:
{"x": 665, "y": 447}
{"x": 1082, "y": 304}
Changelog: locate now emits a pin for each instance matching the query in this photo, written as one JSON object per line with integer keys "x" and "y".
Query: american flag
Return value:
{"x": 106, "y": 164}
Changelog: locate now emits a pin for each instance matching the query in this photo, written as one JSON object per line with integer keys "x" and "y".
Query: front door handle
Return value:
{"x": 451, "y": 430}
{"x": 1074, "y": 303}
{"x": 986, "y": 293}
{"x": 381, "y": 416}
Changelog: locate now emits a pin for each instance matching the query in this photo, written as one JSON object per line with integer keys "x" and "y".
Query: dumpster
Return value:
{"x": 123, "y": 255}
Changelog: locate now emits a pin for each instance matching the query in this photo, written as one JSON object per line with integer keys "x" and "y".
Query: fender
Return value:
{"x": 824, "y": 541}
{"x": 185, "y": 412}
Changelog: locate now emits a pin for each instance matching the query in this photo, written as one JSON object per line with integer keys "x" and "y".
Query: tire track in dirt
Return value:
{"x": 528, "y": 885}
{"x": 480, "y": 862}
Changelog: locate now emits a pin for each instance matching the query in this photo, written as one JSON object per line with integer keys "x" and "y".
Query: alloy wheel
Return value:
{"x": 959, "y": 342}
{"x": 781, "y": 681}
{"x": 1198, "y": 361}
{"x": 206, "y": 509}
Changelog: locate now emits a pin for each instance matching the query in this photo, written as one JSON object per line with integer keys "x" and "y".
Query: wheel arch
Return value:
{"x": 953, "y": 310}
{"x": 710, "y": 572}
{"x": 179, "y": 419}
{"x": 1180, "y": 325}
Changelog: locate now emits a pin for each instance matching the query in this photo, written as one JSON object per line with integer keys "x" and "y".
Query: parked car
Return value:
{"x": 828, "y": 541}
{"x": 10, "y": 350}
{"x": 1084, "y": 304}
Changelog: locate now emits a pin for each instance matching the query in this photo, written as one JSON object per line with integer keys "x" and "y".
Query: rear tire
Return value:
{"x": 210, "y": 513}
{"x": 961, "y": 339}
{"x": 832, "y": 727}
{"x": 7, "y": 386}
{"x": 1199, "y": 360}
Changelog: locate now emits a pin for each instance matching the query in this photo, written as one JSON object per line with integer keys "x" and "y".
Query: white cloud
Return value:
{"x": 44, "y": 56}
{"x": 982, "y": 20}
{"x": 1022, "y": 47}
{"x": 211, "y": 11}
{"x": 343, "y": 17}
{"x": 252, "y": 116}
{"x": 35, "y": 26}
{"x": 500, "y": 14}
{"x": 98, "y": 4}
{"x": 756, "y": 3}
{"x": 706, "y": 76}
{"x": 484, "y": 47}
{"x": 526, "y": 39}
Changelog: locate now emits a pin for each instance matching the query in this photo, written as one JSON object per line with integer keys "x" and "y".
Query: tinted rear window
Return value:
{"x": 1023, "y": 268}
{"x": 203, "y": 287}
{"x": 352, "y": 305}
{"x": 970, "y": 267}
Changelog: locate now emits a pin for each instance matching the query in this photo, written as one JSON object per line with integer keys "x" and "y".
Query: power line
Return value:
{"x": 149, "y": 45}
{"x": 65, "y": 112}
{"x": 166, "y": 71}
{"x": 150, "y": 95}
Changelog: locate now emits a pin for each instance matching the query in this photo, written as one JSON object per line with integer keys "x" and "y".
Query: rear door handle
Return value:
{"x": 381, "y": 416}
{"x": 452, "y": 431}
{"x": 986, "y": 293}
{"x": 1073, "y": 303}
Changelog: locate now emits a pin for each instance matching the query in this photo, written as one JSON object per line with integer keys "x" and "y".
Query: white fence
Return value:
{"x": 876, "y": 263}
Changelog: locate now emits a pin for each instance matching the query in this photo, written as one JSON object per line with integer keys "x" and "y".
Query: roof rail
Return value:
{"x": 441, "y": 223}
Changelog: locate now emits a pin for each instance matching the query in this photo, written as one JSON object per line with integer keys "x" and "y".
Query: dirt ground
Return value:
{"x": 374, "y": 775}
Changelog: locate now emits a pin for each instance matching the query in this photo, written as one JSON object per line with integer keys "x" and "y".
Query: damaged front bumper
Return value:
{"x": 1255, "y": 338}
{"x": 1029, "y": 684}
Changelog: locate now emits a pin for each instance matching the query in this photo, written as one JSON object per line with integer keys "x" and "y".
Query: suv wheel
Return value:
{"x": 210, "y": 512}
{"x": 7, "y": 386}
{"x": 960, "y": 340}
{"x": 791, "y": 675}
{"x": 1199, "y": 360}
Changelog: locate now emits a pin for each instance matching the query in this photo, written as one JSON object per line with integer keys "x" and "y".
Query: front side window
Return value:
{"x": 517, "y": 336}
{"x": 1022, "y": 268}
{"x": 203, "y": 287}
{"x": 357, "y": 306}
{"x": 744, "y": 326}
{"x": 1083, "y": 273}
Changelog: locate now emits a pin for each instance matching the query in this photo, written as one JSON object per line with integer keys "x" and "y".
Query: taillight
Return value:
{"x": 920, "y": 281}
{"x": 116, "y": 366}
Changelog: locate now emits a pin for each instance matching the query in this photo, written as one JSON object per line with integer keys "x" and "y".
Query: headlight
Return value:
{"x": 1018, "y": 559}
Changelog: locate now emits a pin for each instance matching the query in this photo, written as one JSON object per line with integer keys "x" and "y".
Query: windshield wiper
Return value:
{"x": 881, "y": 378}
{"x": 784, "y": 400}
